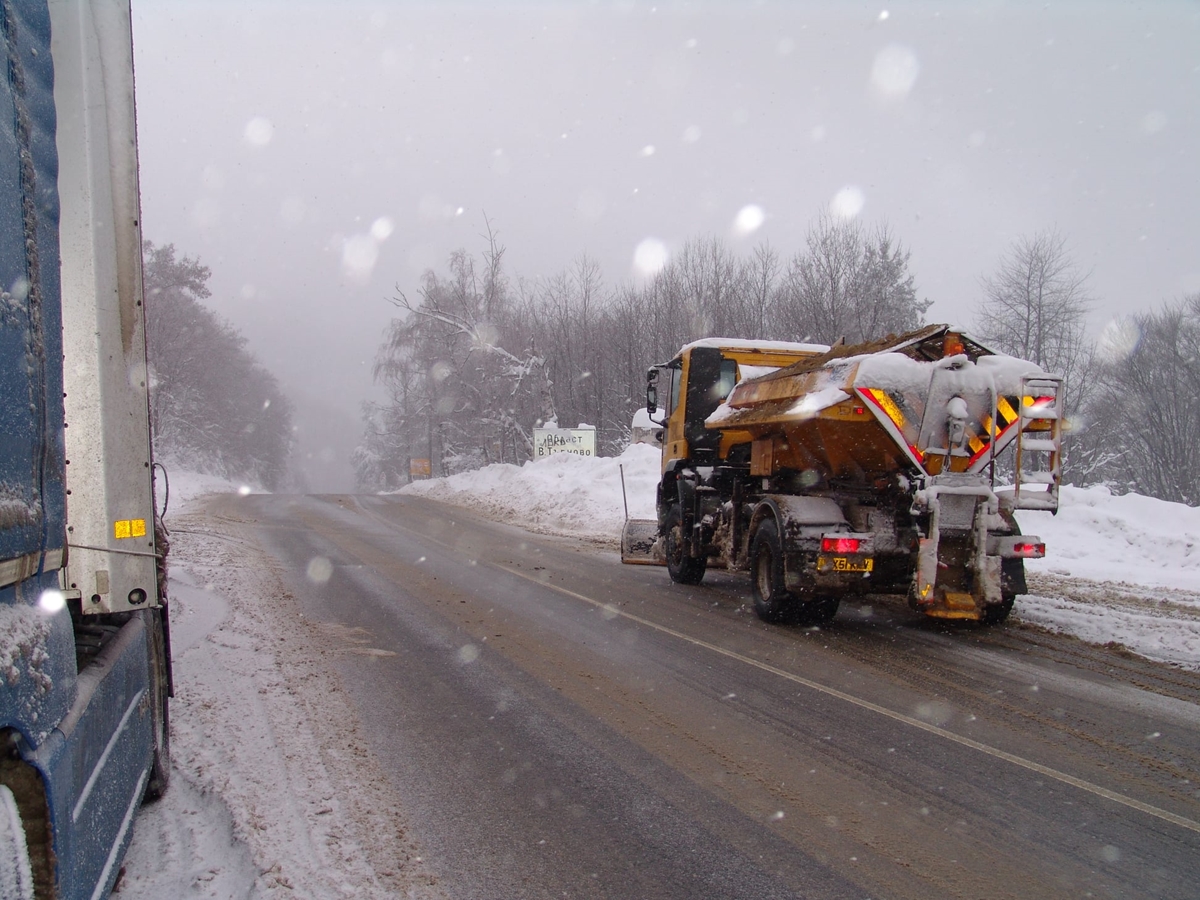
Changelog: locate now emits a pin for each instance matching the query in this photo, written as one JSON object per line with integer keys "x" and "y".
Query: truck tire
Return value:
{"x": 773, "y": 602}
{"x": 682, "y": 568}
{"x": 819, "y": 611}
{"x": 160, "y": 769}
{"x": 994, "y": 615}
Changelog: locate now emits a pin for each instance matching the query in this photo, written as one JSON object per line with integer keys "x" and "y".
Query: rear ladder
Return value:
{"x": 1037, "y": 467}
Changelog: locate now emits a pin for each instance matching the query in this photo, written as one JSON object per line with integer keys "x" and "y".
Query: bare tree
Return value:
{"x": 1035, "y": 307}
{"x": 848, "y": 284}
{"x": 1151, "y": 404}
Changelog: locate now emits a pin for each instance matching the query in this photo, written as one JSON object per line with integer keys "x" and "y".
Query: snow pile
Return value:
{"x": 564, "y": 494}
{"x": 1129, "y": 538}
{"x": 1122, "y": 570}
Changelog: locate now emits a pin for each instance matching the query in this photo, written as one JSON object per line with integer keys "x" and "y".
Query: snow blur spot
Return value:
{"x": 319, "y": 570}
{"x": 137, "y": 375}
{"x": 212, "y": 178}
{"x": 432, "y": 206}
{"x": 591, "y": 203}
{"x": 51, "y": 601}
{"x": 291, "y": 211}
{"x": 648, "y": 150}
{"x": 258, "y": 131}
{"x": 691, "y": 43}
{"x": 244, "y": 490}
{"x": 691, "y": 134}
{"x": 1110, "y": 854}
{"x": 609, "y": 612}
{"x": 267, "y": 404}
{"x": 20, "y": 289}
{"x": 777, "y": 815}
{"x": 785, "y": 46}
{"x": 1154, "y": 121}
{"x": 748, "y": 220}
{"x": 421, "y": 559}
{"x": 360, "y": 252}
{"x": 848, "y": 202}
{"x": 501, "y": 164}
{"x": 248, "y": 292}
{"x": 976, "y": 139}
{"x": 650, "y": 256}
{"x": 206, "y": 213}
{"x": 382, "y": 228}
{"x": 1154, "y": 735}
{"x": 1118, "y": 339}
{"x": 818, "y": 134}
{"x": 884, "y": 15}
{"x": 468, "y": 653}
{"x": 894, "y": 72}
{"x": 934, "y": 712}
{"x": 487, "y": 335}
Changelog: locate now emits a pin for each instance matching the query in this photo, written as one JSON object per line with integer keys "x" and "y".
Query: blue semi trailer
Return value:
{"x": 84, "y": 643}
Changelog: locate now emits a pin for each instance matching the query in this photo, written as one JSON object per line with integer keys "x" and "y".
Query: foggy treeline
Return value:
{"x": 479, "y": 357}
{"x": 213, "y": 408}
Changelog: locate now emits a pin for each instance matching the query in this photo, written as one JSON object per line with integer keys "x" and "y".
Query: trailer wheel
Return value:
{"x": 772, "y": 600}
{"x": 682, "y": 568}
{"x": 160, "y": 771}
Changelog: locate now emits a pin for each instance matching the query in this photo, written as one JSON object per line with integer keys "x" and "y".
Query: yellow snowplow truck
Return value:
{"x": 872, "y": 468}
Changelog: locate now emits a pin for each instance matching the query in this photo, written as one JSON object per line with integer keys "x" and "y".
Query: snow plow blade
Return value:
{"x": 640, "y": 545}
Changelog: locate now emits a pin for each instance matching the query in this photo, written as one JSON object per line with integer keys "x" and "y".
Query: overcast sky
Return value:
{"x": 317, "y": 155}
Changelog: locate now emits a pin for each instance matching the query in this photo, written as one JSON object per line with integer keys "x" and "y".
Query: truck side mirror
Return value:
{"x": 651, "y": 396}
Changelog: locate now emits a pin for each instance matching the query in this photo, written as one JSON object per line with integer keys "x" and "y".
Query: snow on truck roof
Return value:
{"x": 765, "y": 346}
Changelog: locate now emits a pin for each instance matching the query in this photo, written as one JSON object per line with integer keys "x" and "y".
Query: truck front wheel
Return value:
{"x": 682, "y": 568}
{"x": 772, "y": 600}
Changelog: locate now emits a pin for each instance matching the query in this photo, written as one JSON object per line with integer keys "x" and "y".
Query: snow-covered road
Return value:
{"x": 273, "y": 792}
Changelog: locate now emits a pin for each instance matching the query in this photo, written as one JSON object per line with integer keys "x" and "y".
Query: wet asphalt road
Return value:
{"x": 559, "y": 725}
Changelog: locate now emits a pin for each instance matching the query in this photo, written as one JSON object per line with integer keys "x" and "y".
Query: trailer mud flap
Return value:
{"x": 640, "y": 544}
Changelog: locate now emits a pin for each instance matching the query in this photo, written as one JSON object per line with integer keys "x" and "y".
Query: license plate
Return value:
{"x": 852, "y": 564}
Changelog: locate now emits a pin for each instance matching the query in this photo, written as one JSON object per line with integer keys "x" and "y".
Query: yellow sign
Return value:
{"x": 129, "y": 528}
{"x": 419, "y": 468}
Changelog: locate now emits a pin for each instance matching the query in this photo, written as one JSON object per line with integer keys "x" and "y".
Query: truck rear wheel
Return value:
{"x": 772, "y": 600}
{"x": 994, "y": 615}
{"x": 682, "y": 568}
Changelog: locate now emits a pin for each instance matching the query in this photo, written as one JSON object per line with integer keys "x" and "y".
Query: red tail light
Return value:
{"x": 840, "y": 545}
{"x": 1029, "y": 550}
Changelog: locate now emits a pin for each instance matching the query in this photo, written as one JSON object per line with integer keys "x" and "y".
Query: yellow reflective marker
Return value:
{"x": 129, "y": 528}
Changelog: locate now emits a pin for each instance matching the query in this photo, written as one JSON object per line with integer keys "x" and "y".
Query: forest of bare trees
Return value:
{"x": 213, "y": 407}
{"x": 479, "y": 357}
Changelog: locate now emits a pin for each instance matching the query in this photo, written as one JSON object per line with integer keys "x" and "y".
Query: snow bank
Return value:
{"x": 563, "y": 494}
{"x": 1131, "y": 539}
